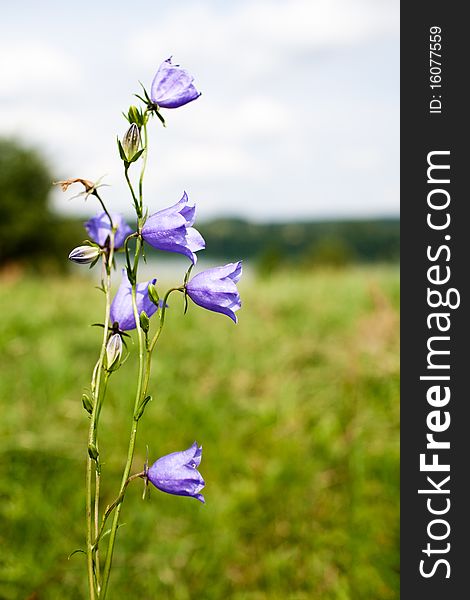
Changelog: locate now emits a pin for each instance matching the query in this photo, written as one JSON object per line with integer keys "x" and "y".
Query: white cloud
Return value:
{"x": 296, "y": 95}
{"x": 29, "y": 67}
{"x": 206, "y": 160}
{"x": 253, "y": 37}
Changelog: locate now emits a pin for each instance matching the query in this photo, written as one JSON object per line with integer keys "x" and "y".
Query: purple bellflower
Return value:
{"x": 122, "y": 311}
{"x": 171, "y": 229}
{"x": 216, "y": 290}
{"x": 177, "y": 473}
{"x": 99, "y": 228}
{"x": 172, "y": 86}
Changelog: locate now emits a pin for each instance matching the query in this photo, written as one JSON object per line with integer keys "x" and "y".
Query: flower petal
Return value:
{"x": 99, "y": 228}
{"x": 122, "y": 310}
{"x": 177, "y": 473}
{"x": 216, "y": 290}
{"x": 172, "y": 86}
{"x": 170, "y": 230}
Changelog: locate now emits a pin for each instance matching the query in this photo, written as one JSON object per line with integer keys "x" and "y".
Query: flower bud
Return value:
{"x": 141, "y": 408}
{"x": 113, "y": 352}
{"x": 87, "y": 403}
{"x": 131, "y": 142}
{"x": 135, "y": 116}
{"x": 153, "y": 294}
{"x": 144, "y": 321}
{"x": 83, "y": 255}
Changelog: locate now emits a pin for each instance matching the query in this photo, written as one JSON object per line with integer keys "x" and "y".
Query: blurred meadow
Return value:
{"x": 291, "y": 155}
{"x": 296, "y": 409}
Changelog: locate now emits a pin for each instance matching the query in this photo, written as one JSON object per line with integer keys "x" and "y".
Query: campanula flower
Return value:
{"x": 216, "y": 290}
{"x": 122, "y": 311}
{"x": 83, "y": 255}
{"x": 171, "y": 229}
{"x": 99, "y": 228}
{"x": 177, "y": 473}
{"x": 172, "y": 86}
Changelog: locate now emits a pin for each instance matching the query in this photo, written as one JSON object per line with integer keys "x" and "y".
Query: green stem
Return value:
{"x": 101, "y": 396}
{"x": 162, "y": 317}
{"x": 134, "y": 197}
{"x": 144, "y": 164}
{"x": 112, "y": 506}
{"x": 97, "y": 521}
{"x": 97, "y": 399}
{"x": 95, "y": 193}
{"x": 133, "y": 434}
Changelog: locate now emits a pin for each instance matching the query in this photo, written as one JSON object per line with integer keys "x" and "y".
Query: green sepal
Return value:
{"x": 153, "y": 294}
{"x": 136, "y": 156}
{"x": 145, "y": 216}
{"x": 93, "y": 451}
{"x": 144, "y": 321}
{"x": 115, "y": 366}
{"x": 79, "y": 550}
{"x": 122, "y": 154}
{"x": 162, "y": 120}
{"x": 140, "y": 410}
{"x": 92, "y": 264}
{"x": 134, "y": 115}
{"x": 87, "y": 403}
{"x": 151, "y": 106}
{"x": 140, "y": 98}
{"x": 147, "y": 97}
{"x": 130, "y": 275}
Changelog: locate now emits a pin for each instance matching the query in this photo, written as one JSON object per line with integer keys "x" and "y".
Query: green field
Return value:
{"x": 297, "y": 409}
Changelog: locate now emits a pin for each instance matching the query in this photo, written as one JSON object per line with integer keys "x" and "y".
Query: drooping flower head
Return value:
{"x": 177, "y": 473}
{"x": 99, "y": 228}
{"x": 172, "y": 86}
{"x": 90, "y": 187}
{"x": 171, "y": 229}
{"x": 216, "y": 290}
{"x": 122, "y": 311}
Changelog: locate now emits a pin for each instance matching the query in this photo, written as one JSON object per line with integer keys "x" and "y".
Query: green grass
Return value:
{"x": 298, "y": 413}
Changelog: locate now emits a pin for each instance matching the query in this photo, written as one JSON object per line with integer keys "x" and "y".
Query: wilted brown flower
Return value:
{"x": 90, "y": 186}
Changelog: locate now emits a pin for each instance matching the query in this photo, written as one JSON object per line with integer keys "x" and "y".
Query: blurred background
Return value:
{"x": 291, "y": 155}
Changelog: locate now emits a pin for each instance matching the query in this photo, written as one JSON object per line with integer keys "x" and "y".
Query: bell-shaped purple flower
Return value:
{"x": 172, "y": 86}
{"x": 99, "y": 228}
{"x": 216, "y": 290}
{"x": 170, "y": 229}
{"x": 122, "y": 311}
{"x": 177, "y": 473}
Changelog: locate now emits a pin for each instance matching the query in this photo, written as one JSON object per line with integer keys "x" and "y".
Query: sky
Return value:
{"x": 298, "y": 118}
